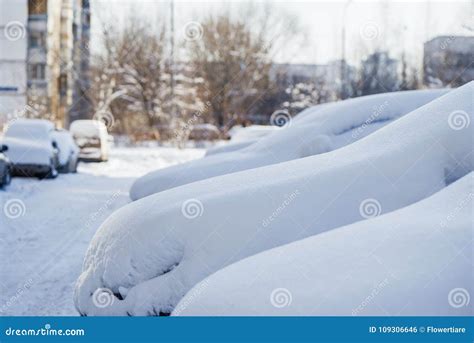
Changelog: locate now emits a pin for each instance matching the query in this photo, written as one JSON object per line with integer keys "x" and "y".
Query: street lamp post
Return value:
{"x": 342, "y": 71}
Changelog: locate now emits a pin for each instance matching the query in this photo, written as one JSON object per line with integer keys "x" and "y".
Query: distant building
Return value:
{"x": 81, "y": 105}
{"x": 13, "y": 49}
{"x": 379, "y": 74}
{"x": 294, "y": 73}
{"x": 325, "y": 77}
{"x": 447, "y": 60}
{"x": 44, "y": 52}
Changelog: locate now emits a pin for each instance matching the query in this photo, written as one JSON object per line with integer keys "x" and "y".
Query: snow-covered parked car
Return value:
{"x": 185, "y": 234}
{"x": 5, "y": 167}
{"x": 32, "y": 149}
{"x": 242, "y": 137}
{"x": 412, "y": 259}
{"x": 316, "y": 130}
{"x": 92, "y": 138}
{"x": 68, "y": 155}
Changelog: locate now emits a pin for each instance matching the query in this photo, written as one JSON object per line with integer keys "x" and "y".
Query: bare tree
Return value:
{"x": 132, "y": 81}
{"x": 233, "y": 54}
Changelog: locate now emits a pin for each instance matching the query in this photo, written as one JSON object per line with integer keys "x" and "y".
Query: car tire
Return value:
{"x": 6, "y": 179}
{"x": 73, "y": 166}
{"x": 51, "y": 174}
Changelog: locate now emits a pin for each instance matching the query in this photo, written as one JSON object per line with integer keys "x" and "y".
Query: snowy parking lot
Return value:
{"x": 47, "y": 225}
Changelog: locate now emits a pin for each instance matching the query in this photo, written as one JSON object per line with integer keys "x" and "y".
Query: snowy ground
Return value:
{"x": 46, "y": 226}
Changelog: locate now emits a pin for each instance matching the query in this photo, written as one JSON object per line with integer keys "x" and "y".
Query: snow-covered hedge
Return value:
{"x": 412, "y": 261}
{"x": 316, "y": 130}
{"x": 152, "y": 251}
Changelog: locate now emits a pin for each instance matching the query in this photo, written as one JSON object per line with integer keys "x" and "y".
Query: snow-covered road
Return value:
{"x": 46, "y": 226}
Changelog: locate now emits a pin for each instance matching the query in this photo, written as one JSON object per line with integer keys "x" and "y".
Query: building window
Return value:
{"x": 37, "y": 71}
{"x": 36, "y": 7}
{"x": 37, "y": 39}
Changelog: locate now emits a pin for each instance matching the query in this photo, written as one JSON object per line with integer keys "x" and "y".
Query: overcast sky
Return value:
{"x": 391, "y": 25}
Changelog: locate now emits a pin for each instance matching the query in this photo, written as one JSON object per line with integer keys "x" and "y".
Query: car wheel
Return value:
{"x": 7, "y": 178}
{"x": 73, "y": 166}
{"x": 51, "y": 174}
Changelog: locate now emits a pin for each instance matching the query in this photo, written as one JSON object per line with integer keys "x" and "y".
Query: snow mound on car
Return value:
{"x": 335, "y": 124}
{"x": 409, "y": 262}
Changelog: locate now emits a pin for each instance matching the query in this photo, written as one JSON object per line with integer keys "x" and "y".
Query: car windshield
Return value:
{"x": 27, "y": 131}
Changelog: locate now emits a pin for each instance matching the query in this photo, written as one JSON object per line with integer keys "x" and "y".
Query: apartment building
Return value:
{"x": 43, "y": 47}
{"x": 447, "y": 60}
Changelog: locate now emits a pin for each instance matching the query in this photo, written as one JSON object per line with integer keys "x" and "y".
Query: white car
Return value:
{"x": 32, "y": 149}
{"x": 92, "y": 138}
{"x": 68, "y": 151}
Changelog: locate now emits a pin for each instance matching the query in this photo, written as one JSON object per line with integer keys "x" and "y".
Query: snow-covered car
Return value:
{"x": 314, "y": 131}
{"x": 68, "y": 155}
{"x": 225, "y": 219}
{"x": 5, "y": 167}
{"x": 92, "y": 138}
{"x": 32, "y": 149}
{"x": 394, "y": 256}
{"x": 242, "y": 137}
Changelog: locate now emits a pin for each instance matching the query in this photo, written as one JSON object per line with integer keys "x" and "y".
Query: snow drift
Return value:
{"x": 148, "y": 254}
{"x": 409, "y": 262}
{"x": 314, "y": 131}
